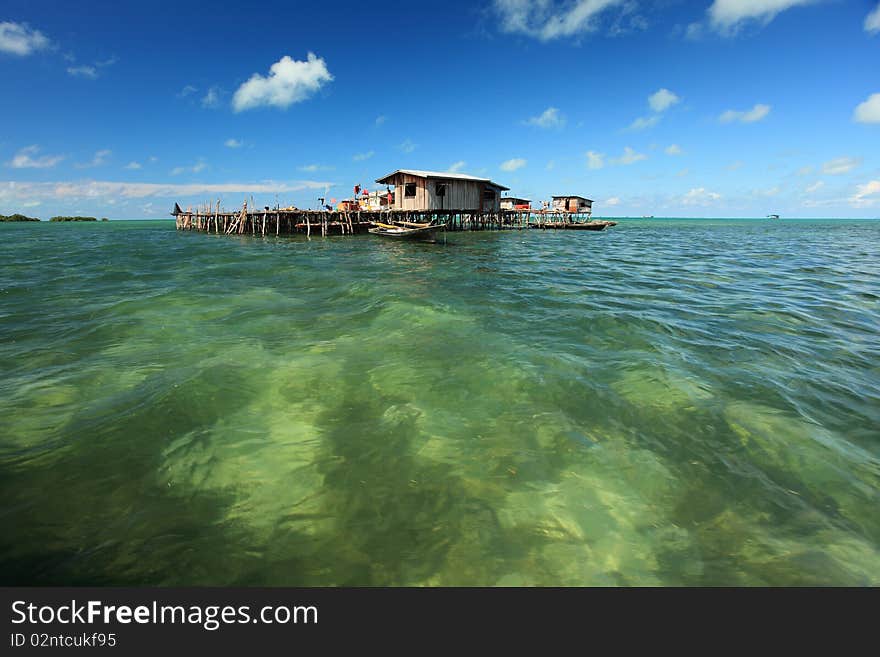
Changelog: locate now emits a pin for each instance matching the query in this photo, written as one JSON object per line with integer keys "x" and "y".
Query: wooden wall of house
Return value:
{"x": 571, "y": 204}
{"x": 460, "y": 194}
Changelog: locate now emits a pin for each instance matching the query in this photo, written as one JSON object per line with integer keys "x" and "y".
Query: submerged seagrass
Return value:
{"x": 671, "y": 402}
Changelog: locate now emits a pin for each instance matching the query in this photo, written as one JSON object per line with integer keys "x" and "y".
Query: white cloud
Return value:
{"x": 513, "y": 164}
{"x": 728, "y": 16}
{"x": 20, "y": 39}
{"x": 289, "y": 81}
{"x": 83, "y": 72}
{"x": 407, "y": 146}
{"x": 360, "y": 157}
{"x": 644, "y": 122}
{"x": 24, "y": 159}
{"x": 201, "y": 165}
{"x": 757, "y": 113}
{"x": 212, "y": 98}
{"x": 673, "y": 149}
{"x": 88, "y": 71}
{"x": 840, "y": 165}
{"x": 133, "y": 165}
{"x": 549, "y": 118}
{"x": 551, "y": 19}
{"x": 659, "y": 101}
{"x": 683, "y": 173}
{"x": 629, "y": 157}
{"x": 872, "y": 20}
{"x": 551, "y": 165}
{"x": 99, "y": 159}
{"x": 612, "y": 201}
{"x": 311, "y": 168}
{"x": 694, "y": 31}
{"x": 867, "y": 195}
{"x": 233, "y": 143}
{"x": 815, "y": 187}
{"x": 112, "y": 189}
{"x": 662, "y": 100}
{"x": 869, "y": 110}
{"x": 769, "y": 192}
{"x": 804, "y": 171}
{"x": 186, "y": 91}
{"x": 823, "y": 202}
{"x": 456, "y": 167}
{"x": 699, "y": 196}
{"x": 381, "y": 119}
{"x": 595, "y": 160}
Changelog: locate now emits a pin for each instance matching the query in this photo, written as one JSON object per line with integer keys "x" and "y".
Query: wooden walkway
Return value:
{"x": 294, "y": 221}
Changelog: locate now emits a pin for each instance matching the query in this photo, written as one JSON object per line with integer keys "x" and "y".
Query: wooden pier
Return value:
{"x": 290, "y": 221}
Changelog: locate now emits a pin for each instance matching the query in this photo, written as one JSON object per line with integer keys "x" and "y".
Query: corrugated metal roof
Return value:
{"x": 572, "y": 196}
{"x": 446, "y": 175}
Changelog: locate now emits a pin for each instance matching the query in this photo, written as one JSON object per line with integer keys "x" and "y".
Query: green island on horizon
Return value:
{"x": 20, "y": 217}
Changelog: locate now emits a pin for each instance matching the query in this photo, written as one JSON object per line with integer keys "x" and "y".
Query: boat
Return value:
{"x": 596, "y": 224}
{"x": 773, "y": 216}
{"x": 410, "y": 231}
{"x": 589, "y": 225}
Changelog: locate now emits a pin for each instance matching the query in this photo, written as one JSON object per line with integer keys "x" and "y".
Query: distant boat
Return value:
{"x": 410, "y": 232}
{"x": 773, "y": 216}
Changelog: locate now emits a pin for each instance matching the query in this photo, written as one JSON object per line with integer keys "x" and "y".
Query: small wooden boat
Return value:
{"x": 589, "y": 225}
{"x": 598, "y": 224}
{"x": 409, "y": 232}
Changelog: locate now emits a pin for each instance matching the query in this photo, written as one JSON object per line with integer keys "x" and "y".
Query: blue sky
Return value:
{"x": 720, "y": 108}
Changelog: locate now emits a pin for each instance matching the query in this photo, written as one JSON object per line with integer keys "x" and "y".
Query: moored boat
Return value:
{"x": 409, "y": 231}
{"x": 589, "y": 225}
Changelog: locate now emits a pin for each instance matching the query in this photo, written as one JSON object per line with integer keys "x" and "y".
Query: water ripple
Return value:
{"x": 668, "y": 402}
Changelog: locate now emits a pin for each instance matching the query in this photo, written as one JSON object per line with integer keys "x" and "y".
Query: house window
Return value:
{"x": 441, "y": 189}
{"x": 488, "y": 194}
{"x": 409, "y": 190}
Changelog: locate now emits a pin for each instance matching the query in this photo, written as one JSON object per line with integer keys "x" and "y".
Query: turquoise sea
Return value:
{"x": 670, "y": 402}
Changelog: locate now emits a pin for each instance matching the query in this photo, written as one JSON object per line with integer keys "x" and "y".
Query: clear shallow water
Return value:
{"x": 668, "y": 402}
